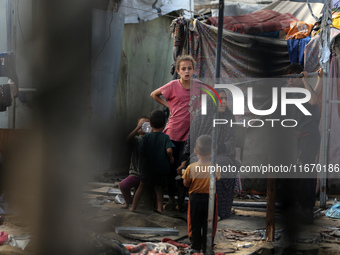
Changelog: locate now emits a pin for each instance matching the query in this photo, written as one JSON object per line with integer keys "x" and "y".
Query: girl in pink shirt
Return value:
{"x": 179, "y": 99}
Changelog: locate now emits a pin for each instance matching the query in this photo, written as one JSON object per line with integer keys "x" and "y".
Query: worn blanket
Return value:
{"x": 167, "y": 246}
{"x": 255, "y": 23}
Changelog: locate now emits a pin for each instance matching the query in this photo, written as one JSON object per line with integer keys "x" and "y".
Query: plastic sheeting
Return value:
{"x": 137, "y": 11}
{"x": 243, "y": 56}
{"x": 299, "y": 10}
{"x": 237, "y": 8}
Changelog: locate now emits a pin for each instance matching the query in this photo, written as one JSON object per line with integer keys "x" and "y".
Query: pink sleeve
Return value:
{"x": 167, "y": 90}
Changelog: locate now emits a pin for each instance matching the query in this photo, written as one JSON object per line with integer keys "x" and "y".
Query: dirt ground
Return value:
{"x": 241, "y": 234}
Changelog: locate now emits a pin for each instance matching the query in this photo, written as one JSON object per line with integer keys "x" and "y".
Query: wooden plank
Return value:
{"x": 270, "y": 218}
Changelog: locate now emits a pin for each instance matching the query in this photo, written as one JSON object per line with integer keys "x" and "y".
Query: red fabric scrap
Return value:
{"x": 3, "y": 237}
{"x": 173, "y": 242}
{"x": 255, "y": 23}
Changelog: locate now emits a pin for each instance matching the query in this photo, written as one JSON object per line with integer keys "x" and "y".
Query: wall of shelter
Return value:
{"x": 146, "y": 61}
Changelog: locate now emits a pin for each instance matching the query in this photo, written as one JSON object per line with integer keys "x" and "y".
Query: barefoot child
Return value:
{"x": 182, "y": 104}
{"x": 156, "y": 155}
{"x": 197, "y": 177}
{"x": 132, "y": 180}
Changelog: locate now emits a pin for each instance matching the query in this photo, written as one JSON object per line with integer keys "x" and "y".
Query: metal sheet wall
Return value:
{"x": 107, "y": 36}
{"x": 145, "y": 65}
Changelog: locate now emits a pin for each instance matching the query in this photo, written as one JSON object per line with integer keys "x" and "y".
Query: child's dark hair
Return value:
{"x": 294, "y": 68}
{"x": 203, "y": 145}
{"x": 157, "y": 119}
{"x": 185, "y": 58}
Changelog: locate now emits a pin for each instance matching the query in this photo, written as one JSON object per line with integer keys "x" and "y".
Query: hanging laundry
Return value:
{"x": 298, "y": 30}
{"x": 296, "y": 48}
{"x": 336, "y": 21}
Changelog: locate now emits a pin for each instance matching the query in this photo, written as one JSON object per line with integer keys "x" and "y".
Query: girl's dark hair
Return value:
{"x": 294, "y": 68}
{"x": 185, "y": 58}
{"x": 157, "y": 119}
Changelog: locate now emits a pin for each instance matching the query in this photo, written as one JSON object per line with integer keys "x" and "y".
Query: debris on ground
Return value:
{"x": 334, "y": 211}
{"x": 256, "y": 235}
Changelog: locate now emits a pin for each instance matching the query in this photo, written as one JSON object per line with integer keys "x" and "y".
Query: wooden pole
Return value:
{"x": 270, "y": 214}
{"x": 212, "y": 186}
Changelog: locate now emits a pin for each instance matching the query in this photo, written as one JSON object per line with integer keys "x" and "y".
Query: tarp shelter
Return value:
{"x": 243, "y": 55}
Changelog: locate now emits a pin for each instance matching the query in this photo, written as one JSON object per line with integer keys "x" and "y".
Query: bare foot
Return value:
{"x": 125, "y": 206}
{"x": 132, "y": 210}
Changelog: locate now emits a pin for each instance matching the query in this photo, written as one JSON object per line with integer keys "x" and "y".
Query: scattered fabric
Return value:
{"x": 173, "y": 242}
{"x": 167, "y": 246}
{"x": 298, "y": 30}
{"x": 19, "y": 241}
{"x": 334, "y": 211}
{"x": 152, "y": 248}
{"x": 332, "y": 236}
{"x": 3, "y": 237}
{"x": 237, "y": 235}
{"x": 255, "y": 23}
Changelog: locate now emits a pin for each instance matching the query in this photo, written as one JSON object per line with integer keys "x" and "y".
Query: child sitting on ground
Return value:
{"x": 156, "y": 156}
{"x": 133, "y": 179}
{"x": 197, "y": 177}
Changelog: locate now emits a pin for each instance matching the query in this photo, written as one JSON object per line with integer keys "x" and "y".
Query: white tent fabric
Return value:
{"x": 232, "y": 8}
{"x": 298, "y": 9}
{"x": 236, "y": 7}
{"x": 137, "y": 11}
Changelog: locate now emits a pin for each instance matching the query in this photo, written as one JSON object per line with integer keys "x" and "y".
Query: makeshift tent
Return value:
{"x": 243, "y": 55}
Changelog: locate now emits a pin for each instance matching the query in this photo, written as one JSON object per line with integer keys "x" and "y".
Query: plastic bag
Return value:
{"x": 334, "y": 211}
